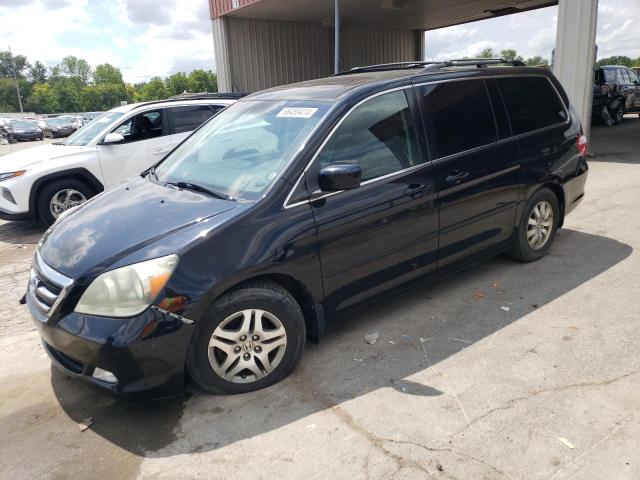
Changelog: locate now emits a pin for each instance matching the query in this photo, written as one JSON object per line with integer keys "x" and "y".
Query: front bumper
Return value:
{"x": 146, "y": 353}
{"x": 27, "y": 136}
{"x": 4, "y": 215}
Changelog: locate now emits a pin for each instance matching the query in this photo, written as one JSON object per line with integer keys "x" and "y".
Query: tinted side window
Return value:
{"x": 379, "y": 135}
{"x": 187, "y": 119}
{"x": 143, "y": 126}
{"x": 532, "y": 103}
{"x": 632, "y": 76}
{"x": 458, "y": 116}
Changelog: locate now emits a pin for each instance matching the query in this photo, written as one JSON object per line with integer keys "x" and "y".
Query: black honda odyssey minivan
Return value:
{"x": 294, "y": 206}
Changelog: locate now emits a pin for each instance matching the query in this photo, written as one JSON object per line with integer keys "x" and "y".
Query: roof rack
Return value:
{"x": 196, "y": 96}
{"x": 207, "y": 96}
{"x": 431, "y": 65}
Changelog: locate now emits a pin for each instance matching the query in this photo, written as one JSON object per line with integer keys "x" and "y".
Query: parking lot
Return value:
{"x": 506, "y": 371}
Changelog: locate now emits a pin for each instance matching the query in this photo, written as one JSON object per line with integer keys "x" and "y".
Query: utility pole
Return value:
{"x": 336, "y": 41}
{"x": 15, "y": 76}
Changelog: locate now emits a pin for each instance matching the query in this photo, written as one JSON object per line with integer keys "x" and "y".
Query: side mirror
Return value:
{"x": 340, "y": 176}
{"x": 112, "y": 138}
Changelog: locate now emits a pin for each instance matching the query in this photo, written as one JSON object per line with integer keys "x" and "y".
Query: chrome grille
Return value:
{"x": 47, "y": 287}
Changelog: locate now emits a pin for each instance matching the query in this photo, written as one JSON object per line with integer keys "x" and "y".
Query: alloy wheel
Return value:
{"x": 540, "y": 225}
{"x": 247, "y": 346}
{"x": 64, "y": 200}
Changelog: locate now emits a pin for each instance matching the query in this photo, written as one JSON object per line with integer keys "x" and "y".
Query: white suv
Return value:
{"x": 42, "y": 182}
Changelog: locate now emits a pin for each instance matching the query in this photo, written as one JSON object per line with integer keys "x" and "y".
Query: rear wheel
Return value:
{"x": 59, "y": 196}
{"x": 537, "y": 228}
{"x": 253, "y": 337}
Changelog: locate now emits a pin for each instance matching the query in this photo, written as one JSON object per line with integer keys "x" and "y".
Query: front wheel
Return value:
{"x": 537, "y": 228}
{"x": 59, "y": 196}
{"x": 253, "y": 337}
{"x": 619, "y": 114}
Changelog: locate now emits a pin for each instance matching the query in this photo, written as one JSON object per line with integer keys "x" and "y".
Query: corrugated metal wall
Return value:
{"x": 252, "y": 55}
{"x": 371, "y": 45}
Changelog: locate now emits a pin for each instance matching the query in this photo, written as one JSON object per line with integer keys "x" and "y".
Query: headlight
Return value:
{"x": 129, "y": 290}
{"x": 8, "y": 175}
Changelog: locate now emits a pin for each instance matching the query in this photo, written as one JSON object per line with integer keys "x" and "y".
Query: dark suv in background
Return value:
{"x": 295, "y": 206}
{"x": 616, "y": 91}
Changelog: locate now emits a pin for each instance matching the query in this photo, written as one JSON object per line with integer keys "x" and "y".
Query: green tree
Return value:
{"x": 77, "y": 69}
{"x": 68, "y": 95}
{"x": 154, "y": 89}
{"x": 9, "y": 62}
{"x": 536, "y": 61}
{"x": 177, "y": 83}
{"x": 616, "y": 60}
{"x": 107, "y": 74}
{"x": 511, "y": 55}
{"x": 8, "y": 96}
{"x": 38, "y": 72}
{"x": 43, "y": 99}
{"x": 487, "y": 53}
{"x": 104, "y": 96}
{"x": 203, "y": 81}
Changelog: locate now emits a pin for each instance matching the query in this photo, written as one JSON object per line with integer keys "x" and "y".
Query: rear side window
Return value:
{"x": 609, "y": 75}
{"x": 458, "y": 116}
{"x": 188, "y": 118}
{"x": 532, "y": 103}
{"x": 378, "y": 135}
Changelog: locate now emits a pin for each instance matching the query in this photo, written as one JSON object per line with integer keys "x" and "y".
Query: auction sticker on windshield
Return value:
{"x": 296, "y": 112}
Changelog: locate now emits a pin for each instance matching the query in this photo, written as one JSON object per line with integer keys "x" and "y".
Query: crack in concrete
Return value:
{"x": 512, "y": 402}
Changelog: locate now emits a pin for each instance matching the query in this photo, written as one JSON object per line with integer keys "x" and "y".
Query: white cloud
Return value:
{"x": 534, "y": 33}
{"x": 31, "y": 27}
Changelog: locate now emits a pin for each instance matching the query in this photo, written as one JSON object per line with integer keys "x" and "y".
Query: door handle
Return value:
{"x": 456, "y": 177}
{"x": 415, "y": 189}
{"x": 159, "y": 151}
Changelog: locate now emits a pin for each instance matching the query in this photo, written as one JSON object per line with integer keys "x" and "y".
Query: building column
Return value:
{"x": 221, "y": 52}
{"x": 420, "y": 45}
{"x": 575, "y": 54}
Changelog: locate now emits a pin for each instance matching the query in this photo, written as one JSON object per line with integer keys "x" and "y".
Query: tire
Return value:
{"x": 607, "y": 118}
{"x": 265, "y": 296}
{"x": 522, "y": 249}
{"x": 618, "y": 114}
{"x": 46, "y": 195}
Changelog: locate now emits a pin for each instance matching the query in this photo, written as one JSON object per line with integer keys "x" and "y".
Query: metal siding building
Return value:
{"x": 264, "y": 43}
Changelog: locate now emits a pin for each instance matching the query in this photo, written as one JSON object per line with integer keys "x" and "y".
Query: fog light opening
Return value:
{"x": 104, "y": 375}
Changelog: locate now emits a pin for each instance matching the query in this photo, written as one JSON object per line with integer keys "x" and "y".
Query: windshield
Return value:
{"x": 90, "y": 131}
{"x": 24, "y": 124}
{"x": 245, "y": 147}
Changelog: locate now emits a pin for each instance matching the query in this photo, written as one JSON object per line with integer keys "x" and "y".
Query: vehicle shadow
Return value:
{"x": 449, "y": 316}
{"x": 21, "y": 233}
{"x": 618, "y": 144}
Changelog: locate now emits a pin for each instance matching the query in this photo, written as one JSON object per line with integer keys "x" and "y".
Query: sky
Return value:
{"x": 534, "y": 33}
{"x": 145, "y": 38}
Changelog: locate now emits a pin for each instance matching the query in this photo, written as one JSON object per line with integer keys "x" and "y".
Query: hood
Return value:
{"x": 23, "y": 159}
{"x": 121, "y": 221}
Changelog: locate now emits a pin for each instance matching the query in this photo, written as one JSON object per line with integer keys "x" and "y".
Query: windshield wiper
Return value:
{"x": 152, "y": 171}
{"x": 199, "y": 188}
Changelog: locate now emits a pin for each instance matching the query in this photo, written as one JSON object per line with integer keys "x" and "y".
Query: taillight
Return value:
{"x": 581, "y": 144}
